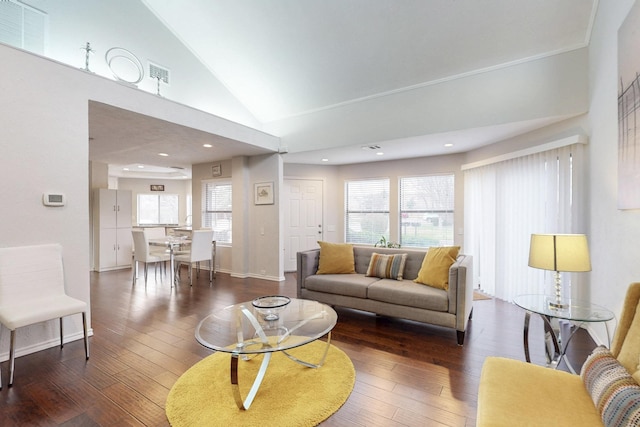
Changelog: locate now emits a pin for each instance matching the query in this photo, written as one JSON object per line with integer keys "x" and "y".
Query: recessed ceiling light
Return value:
{"x": 325, "y": 160}
{"x": 125, "y": 169}
{"x": 207, "y": 145}
{"x": 448, "y": 144}
{"x": 163, "y": 154}
{"x": 141, "y": 166}
{"x": 379, "y": 153}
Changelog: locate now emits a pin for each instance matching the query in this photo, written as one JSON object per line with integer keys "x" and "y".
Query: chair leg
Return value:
{"x": 12, "y": 356}
{"x": 61, "y": 334}
{"x": 86, "y": 337}
{"x": 146, "y": 269}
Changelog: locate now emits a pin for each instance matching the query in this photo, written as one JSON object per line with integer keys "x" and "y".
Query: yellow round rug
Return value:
{"x": 290, "y": 394}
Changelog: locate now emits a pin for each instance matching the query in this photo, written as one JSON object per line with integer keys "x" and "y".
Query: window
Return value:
{"x": 367, "y": 210}
{"x": 217, "y": 209}
{"x": 426, "y": 210}
{"x": 158, "y": 209}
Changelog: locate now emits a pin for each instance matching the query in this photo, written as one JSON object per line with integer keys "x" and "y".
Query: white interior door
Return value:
{"x": 302, "y": 218}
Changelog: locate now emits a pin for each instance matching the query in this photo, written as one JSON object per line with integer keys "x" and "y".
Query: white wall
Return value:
{"x": 614, "y": 234}
{"x": 257, "y": 241}
{"x": 334, "y": 178}
{"x": 131, "y": 25}
{"x": 43, "y": 141}
{"x": 44, "y": 148}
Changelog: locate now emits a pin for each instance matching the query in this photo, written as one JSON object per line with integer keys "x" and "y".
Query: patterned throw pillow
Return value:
{"x": 386, "y": 266}
{"x": 614, "y": 392}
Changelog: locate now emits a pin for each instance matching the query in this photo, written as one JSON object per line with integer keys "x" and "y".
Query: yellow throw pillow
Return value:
{"x": 336, "y": 258}
{"x": 435, "y": 266}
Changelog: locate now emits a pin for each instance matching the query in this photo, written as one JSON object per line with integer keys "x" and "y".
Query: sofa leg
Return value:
{"x": 460, "y": 337}
{"x": 471, "y": 314}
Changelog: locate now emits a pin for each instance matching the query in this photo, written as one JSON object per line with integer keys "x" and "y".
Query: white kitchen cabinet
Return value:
{"x": 112, "y": 229}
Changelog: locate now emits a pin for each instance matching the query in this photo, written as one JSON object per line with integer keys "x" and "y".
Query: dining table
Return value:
{"x": 173, "y": 244}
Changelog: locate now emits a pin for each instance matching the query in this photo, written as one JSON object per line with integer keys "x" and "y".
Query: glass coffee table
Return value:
{"x": 264, "y": 326}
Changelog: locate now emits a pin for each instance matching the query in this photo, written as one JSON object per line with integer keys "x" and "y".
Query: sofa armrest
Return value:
{"x": 307, "y": 265}
{"x": 461, "y": 290}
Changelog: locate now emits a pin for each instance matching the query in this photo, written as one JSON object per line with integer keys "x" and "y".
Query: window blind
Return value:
{"x": 366, "y": 210}
{"x": 217, "y": 213}
{"x": 426, "y": 210}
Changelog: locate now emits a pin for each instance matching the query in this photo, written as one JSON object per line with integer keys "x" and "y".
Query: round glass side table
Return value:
{"x": 556, "y": 341}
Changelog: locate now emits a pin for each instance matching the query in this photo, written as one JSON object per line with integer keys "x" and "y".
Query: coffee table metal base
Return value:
{"x": 245, "y": 403}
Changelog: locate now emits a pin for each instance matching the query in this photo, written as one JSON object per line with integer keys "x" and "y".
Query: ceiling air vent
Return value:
{"x": 370, "y": 147}
{"x": 158, "y": 72}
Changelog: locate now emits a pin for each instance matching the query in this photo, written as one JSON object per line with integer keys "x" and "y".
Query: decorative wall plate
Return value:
{"x": 124, "y": 65}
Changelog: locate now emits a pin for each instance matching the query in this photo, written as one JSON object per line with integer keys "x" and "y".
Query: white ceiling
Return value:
{"x": 286, "y": 60}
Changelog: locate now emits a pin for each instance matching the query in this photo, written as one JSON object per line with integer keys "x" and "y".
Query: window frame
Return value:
{"x": 208, "y": 216}
{"x": 374, "y": 236}
{"x": 159, "y": 196}
{"x": 449, "y": 210}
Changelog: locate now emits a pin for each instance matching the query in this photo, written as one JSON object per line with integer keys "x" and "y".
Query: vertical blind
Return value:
{"x": 508, "y": 201}
{"x": 367, "y": 210}
{"x": 217, "y": 213}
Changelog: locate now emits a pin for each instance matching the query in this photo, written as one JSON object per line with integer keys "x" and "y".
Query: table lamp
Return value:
{"x": 559, "y": 252}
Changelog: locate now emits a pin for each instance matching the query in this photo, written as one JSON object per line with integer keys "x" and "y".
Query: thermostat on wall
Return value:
{"x": 53, "y": 199}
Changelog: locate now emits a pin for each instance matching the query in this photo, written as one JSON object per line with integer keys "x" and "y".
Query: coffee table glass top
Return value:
{"x": 245, "y": 329}
{"x": 577, "y": 310}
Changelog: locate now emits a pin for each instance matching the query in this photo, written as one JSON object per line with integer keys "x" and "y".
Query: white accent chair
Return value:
{"x": 143, "y": 254}
{"x": 201, "y": 250}
{"x": 32, "y": 290}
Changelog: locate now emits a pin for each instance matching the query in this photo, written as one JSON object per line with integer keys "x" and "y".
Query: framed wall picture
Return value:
{"x": 628, "y": 111}
{"x": 216, "y": 170}
{"x": 157, "y": 187}
{"x": 264, "y": 193}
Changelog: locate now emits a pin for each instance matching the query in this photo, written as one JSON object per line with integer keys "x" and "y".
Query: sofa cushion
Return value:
{"x": 435, "y": 266}
{"x": 336, "y": 258}
{"x": 614, "y": 392}
{"x": 386, "y": 266}
{"x": 353, "y": 285}
{"x": 407, "y": 293}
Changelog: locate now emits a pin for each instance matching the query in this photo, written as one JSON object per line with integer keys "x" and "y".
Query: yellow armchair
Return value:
{"x": 515, "y": 393}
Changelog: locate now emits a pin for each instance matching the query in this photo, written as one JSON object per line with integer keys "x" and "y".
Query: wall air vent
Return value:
{"x": 23, "y": 26}
{"x": 158, "y": 72}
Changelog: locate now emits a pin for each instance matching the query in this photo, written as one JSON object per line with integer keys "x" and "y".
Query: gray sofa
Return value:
{"x": 403, "y": 299}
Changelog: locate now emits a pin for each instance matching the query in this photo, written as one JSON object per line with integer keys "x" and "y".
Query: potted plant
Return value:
{"x": 386, "y": 244}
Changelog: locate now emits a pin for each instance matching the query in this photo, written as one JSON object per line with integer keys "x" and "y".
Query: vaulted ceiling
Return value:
{"x": 325, "y": 75}
{"x": 329, "y": 77}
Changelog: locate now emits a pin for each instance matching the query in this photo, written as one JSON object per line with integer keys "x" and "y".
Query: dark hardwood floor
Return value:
{"x": 408, "y": 374}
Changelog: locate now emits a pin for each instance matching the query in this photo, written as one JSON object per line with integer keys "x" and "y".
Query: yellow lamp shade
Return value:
{"x": 559, "y": 252}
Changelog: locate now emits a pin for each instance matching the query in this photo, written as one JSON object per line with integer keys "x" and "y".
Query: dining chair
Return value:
{"x": 143, "y": 254}
{"x": 201, "y": 250}
{"x": 32, "y": 290}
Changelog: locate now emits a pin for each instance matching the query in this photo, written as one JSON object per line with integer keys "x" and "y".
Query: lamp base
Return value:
{"x": 554, "y": 305}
